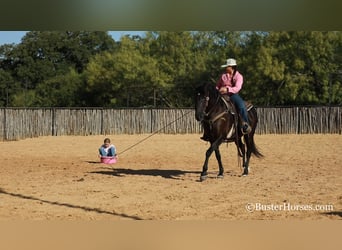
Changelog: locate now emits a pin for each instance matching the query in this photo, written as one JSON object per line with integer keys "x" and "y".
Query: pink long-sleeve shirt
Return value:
{"x": 233, "y": 86}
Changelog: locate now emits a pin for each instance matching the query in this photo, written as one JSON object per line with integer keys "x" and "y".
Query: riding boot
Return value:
{"x": 246, "y": 129}
{"x": 205, "y": 137}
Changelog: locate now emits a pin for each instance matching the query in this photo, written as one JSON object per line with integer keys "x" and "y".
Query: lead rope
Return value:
{"x": 155, "y": 132}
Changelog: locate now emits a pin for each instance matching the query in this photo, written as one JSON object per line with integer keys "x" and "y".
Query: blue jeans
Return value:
{"x": 103, "y": 152}
{"x": 240, "y": 105}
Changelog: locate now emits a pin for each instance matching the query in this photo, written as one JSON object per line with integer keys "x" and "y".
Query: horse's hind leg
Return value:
{"x": 243, "y": 152}
{"x": 248, "y": 154}
{"x": 218, "y": 158}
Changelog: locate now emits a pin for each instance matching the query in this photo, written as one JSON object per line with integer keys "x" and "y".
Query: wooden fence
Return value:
{"x": 20, "y": 123}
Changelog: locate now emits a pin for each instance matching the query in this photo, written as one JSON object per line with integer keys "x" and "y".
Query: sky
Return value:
{"x": 8, "y": 37}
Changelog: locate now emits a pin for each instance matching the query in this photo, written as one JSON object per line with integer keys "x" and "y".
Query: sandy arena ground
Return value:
{"x": 60, "y": 178}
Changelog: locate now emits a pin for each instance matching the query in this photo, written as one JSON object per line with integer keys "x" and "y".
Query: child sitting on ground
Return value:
{"x": 107, "y": 149}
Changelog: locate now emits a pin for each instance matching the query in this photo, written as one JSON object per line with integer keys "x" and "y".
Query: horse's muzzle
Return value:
{"x": 199, "y": 116}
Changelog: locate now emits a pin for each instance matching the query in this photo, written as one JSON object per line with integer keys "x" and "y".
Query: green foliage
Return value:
{"x": 180, "y": 64}
{"x": 292, "y": 67}
{"x": 123, "y": 77}
{"x": 79, "y": 68}
{"x": 60, "y": 91}
{"x": 6, "y": 87}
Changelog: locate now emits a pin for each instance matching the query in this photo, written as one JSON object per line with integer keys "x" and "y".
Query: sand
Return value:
{"x": 60, "y": 178}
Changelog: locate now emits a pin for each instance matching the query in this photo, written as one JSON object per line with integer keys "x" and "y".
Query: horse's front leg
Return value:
{"x": 219, "y": 161}
{"x": 213, "y": 147}
{"x": 204, "y": 173}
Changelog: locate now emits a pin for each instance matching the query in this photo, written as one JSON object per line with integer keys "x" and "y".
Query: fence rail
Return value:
{"x": 20, "y": 123}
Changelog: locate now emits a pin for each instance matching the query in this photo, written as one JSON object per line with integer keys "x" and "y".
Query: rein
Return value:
{"x": 218, "y": 116}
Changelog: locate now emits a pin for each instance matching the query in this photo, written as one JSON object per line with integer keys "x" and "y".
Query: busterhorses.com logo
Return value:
{"x": 286, "y": 206}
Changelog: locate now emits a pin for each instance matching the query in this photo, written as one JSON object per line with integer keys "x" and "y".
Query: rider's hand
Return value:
{"x": 223, "y": 90}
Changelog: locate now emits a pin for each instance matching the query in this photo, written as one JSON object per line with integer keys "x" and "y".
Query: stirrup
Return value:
{"x": 246, "y": 128}
{"x": 204, "y": 138}
{"x": 227, "y": 140}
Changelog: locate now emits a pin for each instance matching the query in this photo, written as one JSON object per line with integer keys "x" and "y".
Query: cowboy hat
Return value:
{"x": 230, "y": 62}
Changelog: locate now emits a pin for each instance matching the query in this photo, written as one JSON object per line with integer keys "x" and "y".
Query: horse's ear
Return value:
{"x": 200, "y": 88}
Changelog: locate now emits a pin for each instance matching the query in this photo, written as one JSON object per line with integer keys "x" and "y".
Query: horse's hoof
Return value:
{"x": 220, "y": 176}
{"x": 245, "y": 173}
{"x": 203, "y": 177}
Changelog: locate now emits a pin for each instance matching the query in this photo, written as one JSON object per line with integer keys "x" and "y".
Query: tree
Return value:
{"x": 291, "y": 67}
{"x": 79, "y": 68}
{"x": 264, "y": 71}
{"x": 60, "y": 91}
{"x": 124, "y": 77}
{"x": 45, "y": 57}
{"x": 183, "y": 63}
{"x": 6, "y": 87}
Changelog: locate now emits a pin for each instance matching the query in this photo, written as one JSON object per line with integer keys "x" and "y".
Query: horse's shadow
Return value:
{"x": 165, "y": 173}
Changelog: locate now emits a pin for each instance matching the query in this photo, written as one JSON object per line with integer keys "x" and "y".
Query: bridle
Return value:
{"x": 208, "y": 113}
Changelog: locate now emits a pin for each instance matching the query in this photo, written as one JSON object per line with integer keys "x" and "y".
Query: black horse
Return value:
{"x": 221, "y": 123}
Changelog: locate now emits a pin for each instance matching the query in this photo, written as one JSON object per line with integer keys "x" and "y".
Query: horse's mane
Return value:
{"x": 210, "y": 88}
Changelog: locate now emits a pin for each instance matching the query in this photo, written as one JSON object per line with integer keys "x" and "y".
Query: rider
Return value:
{"x": 230, "y": 84}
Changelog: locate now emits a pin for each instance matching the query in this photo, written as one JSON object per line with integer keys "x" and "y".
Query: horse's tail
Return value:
{"x": 255, "y": 151}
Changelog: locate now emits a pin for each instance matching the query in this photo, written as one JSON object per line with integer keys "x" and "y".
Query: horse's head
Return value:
{"x": 204, "y": 95}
